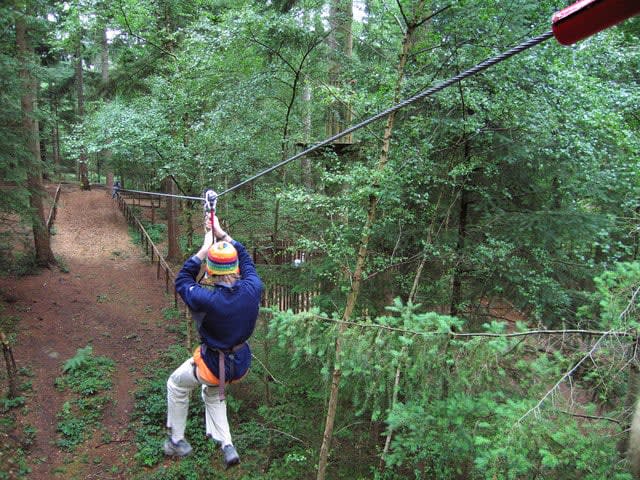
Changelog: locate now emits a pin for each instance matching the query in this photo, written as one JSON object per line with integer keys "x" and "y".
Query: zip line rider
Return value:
{"x": 225, "y": 308}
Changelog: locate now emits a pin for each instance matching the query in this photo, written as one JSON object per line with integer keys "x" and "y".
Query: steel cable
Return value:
{"x": 422, "y": 95}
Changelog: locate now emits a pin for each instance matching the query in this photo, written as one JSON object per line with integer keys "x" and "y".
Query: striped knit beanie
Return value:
{"x": 222, "y": 259}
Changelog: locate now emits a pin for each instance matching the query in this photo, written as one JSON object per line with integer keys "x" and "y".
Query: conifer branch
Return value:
{"x": 589, "y": 355}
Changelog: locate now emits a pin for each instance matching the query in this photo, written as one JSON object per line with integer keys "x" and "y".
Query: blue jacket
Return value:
{"x": 226, "y": 316}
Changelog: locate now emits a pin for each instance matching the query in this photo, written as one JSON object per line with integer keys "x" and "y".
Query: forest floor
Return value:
{"x": 105, "y": 295}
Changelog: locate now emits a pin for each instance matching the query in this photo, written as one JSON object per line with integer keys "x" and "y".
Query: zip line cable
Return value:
{"x": 424, "y": 94}
{"x": 185, "y": 197}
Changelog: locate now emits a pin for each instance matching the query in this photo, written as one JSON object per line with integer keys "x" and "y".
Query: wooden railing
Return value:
{"x": 54, "y": 208}
{"x": 283, "y": 297}
{"x": 149, "y": 246}
{"x": 162, "y": 265}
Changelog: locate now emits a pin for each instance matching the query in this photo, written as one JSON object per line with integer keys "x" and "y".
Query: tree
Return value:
{"x": 43, "y": 253}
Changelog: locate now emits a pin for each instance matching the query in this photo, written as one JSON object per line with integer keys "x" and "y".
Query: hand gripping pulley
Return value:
{"x": 210, "y": 200}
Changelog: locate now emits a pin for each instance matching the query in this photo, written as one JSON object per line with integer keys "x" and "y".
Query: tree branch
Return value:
{"x": 589, "y": 355}
{"x": 479, "y": 334}
{"x": 591, "y": 417}
{"x": 438, "y": 12}
{"x": 139, "y": 37}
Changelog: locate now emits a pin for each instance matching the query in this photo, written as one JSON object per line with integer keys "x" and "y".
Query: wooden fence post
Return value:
{"x": 12, "y": 369}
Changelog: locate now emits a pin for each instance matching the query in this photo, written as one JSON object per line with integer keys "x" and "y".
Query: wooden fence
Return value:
{"x": 282, "y": 297}
{"x": 54, "y": 208}
{"x": 162, "y": 267}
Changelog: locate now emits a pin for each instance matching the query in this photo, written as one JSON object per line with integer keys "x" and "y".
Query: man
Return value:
{"x": 225, "y": 307}
{"x": 116, "y": 189}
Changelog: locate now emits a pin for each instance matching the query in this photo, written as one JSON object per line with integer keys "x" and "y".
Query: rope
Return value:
{"x": 422, "y": 95}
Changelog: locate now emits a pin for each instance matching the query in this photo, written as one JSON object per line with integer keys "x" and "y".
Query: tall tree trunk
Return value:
{"x": 104, "y": 73}
{"x": 104, "y": 57}
{"x": 79, "y": 80}
{"x": 340, "y": 43}
{"x": 354, "y": 292}
{"x": 55, "y": 147}
{"x": 42, "y": 245}
{"x": 55, "y": 132}
{"x": 83, "y": 168}
{"x": 173, "y": 254}
{"x": 305, "y": 163}
{"x": 456, "y": 283}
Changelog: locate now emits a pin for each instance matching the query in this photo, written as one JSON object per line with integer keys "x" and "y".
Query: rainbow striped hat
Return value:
{"x": 222, "y": 259}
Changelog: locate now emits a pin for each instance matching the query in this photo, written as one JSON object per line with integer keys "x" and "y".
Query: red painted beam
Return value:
{"x": 587, "y": 17}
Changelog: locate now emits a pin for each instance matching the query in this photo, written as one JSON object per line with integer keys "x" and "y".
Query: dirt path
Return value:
{"x": 110, "y": 298}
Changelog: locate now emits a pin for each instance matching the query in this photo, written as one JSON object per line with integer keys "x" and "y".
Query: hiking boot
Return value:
{"x": 231, "y": 457}
{"x": 180, "y": 449}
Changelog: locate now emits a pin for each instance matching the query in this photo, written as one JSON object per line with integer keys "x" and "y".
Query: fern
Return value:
{"x": 78, "y": 360}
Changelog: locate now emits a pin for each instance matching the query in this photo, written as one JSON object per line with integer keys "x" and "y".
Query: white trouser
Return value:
{"x": 179, "y": 387}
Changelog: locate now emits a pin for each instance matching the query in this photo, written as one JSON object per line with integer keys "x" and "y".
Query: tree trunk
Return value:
{"x": 305, "y": 163}
{"x": 55, "y": 147}
{"x": 10, "y": 364}
{"x": 340, "y": 43}
{"x": 456, "y": 283}
{"x": 83, "y": 168}
{"x": 43, "y": 253}
{"x": 173, "y": 254}
{"x": 104, "y": 57}
{"x": 55, "y": 131}
{"x": 104, "y": 71}
{"x": 633, "y": 452}
{"x": 362, "y": 256}
{"x": 79, "y": 80}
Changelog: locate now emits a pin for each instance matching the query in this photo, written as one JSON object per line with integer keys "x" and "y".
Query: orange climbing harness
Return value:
{"x": 204, "y": 374}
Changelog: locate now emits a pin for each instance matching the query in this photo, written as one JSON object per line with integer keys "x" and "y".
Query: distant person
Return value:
{"x": 225, "y": 307}
{"x": 116, "y": 189}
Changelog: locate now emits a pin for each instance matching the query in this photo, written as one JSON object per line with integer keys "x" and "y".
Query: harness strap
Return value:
{"x": 221, "y": 375}
{"x": 221, "y": 369}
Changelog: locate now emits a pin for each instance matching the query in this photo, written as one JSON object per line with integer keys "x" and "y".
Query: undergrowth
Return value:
{"x": 157, "y": 232}
{"x": 88, "y": 379}
{"x": 16, "y": 436}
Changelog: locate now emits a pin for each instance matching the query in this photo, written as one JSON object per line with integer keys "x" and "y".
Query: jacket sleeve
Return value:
{"x": 247, "y": 268}
{"x": 186, "y": 281}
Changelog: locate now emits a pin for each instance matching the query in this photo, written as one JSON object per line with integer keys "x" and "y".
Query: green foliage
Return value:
{"x": 7, "y": 403}
{"x": 618, "y": 292}
{"x": 541, "y": 150}
{"x": 88, "y": 379}
{"x": 80, "y": 359}
{"x": 17, "y": 263}
{"x": 171, "y": 313}
{"x": 157, "y": 231}
{"x": 16, "y": 434}
{"x": 460, "y": 401}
